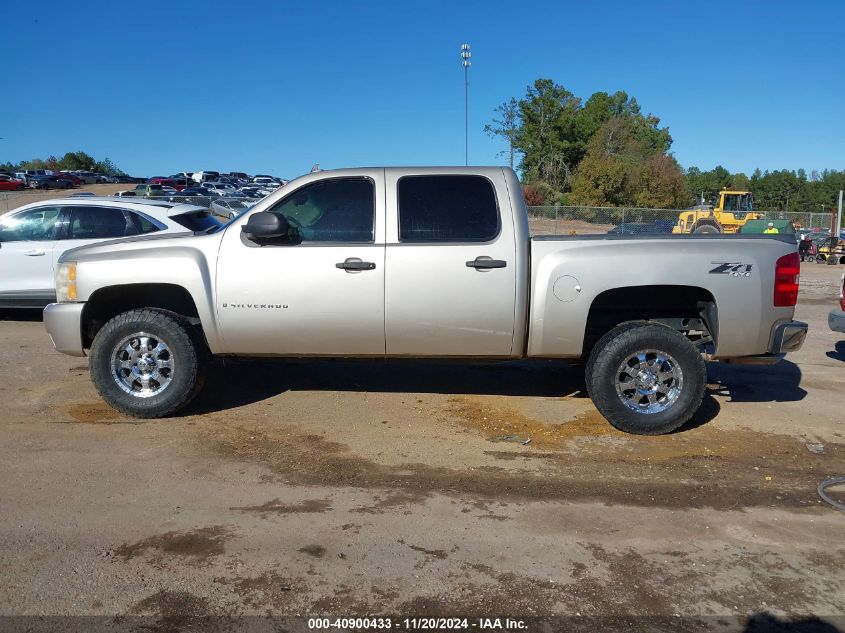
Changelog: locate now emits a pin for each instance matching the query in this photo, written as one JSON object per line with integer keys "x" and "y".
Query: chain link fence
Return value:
{"x": 562, "y": 220}
{"x": 573, "y": 220}
{"x": 542, "y": 220}
{"x": 806, "y": 220}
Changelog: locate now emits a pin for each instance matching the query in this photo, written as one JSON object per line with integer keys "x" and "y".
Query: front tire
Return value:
{"x": 645, "y": 378}
{"x": 148, "y": 363}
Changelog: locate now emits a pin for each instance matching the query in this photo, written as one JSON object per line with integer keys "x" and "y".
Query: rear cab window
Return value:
{"x": 447, "y": 208}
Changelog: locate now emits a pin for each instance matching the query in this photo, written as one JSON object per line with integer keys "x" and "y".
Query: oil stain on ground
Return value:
{"x": 317, "y": 551}
{"x": 269, "y": 589}
{"x": 582, "y": 460}
{"x": 91, "y": 412}
{"x": 277, "y": 507}
{"x": 496, "y": 422}
{"x": 175, "y": 611}
{"x": 197, "y": 546}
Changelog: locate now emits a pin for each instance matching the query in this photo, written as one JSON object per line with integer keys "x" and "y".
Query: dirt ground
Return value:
{"x": 10, "y": 200}
{"x": 341, "y": 488}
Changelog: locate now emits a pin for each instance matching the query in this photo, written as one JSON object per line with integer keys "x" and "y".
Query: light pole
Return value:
{"x": 465, "y": 57}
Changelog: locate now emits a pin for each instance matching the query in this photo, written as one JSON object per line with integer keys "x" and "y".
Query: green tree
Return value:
{"x": 547, "y": 136}
{"x": 661, "y": 184}
{"x": 77, "y": 161}
{"x": 555, "y": 133}
{"x": 35, "y": 163}
{"x": 601, "y": 181}
{"x": 623, "y": 168}
{"x": 105, "y": 166}
{"x": 506, "y": 126}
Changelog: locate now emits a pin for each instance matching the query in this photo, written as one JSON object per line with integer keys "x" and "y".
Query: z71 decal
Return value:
{"x": 734, "y": 269}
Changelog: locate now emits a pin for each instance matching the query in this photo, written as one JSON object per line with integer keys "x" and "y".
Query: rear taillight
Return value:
{"x": 787, "y": 271}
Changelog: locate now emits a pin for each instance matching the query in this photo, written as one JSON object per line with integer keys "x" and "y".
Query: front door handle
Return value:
{"x": 482, "y": 262}
{"x": 35, "y": 253}
{"x": 355, "y": 264}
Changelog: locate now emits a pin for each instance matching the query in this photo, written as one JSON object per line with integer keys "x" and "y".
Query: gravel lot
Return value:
{"x": 337, "y": 487}
{"x": 10, "y": 200}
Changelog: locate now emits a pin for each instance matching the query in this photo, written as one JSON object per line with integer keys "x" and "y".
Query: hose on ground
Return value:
{"x": 826, "y": 484}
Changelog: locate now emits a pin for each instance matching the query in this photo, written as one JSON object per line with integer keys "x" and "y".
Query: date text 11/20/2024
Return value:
{"x": 416, "y": 624}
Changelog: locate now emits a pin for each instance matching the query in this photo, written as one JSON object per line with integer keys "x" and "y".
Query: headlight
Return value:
{"x": 66, "y": 282}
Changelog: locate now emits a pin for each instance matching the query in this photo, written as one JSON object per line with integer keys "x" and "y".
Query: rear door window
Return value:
{"x": 451, "y": 208}
{"x": 97, "y": 223}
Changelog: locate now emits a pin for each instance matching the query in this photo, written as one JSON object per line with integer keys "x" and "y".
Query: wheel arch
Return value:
{"x": 106, "y": 303}
{"x": 684, "y": 308}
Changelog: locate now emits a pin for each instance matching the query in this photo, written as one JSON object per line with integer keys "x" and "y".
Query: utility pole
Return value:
{"x": 839, "y": 216}
{"x": 465, "y": 57}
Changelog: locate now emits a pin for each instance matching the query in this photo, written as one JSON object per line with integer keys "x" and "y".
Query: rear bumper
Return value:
{"x": 786, "y": 337}
{"x": 64, "y": 325}
{"x": 836, "y": 320}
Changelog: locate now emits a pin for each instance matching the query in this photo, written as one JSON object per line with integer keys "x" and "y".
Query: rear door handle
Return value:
{"x": 355, "y": 264}
{"x": 35, "y": 253}
{"x": 483, "y": 262}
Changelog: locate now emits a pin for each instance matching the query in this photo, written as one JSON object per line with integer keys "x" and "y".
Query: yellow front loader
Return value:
{"x": 730, "y": 214}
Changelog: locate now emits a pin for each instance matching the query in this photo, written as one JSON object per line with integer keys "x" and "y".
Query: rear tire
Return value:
{"x": 645, "y": 378}
{"x": 148, "y": 363}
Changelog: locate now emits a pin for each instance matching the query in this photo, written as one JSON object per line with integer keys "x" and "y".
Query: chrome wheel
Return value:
{"x": 649, "y": 381}
{"x": 142, "y": 365}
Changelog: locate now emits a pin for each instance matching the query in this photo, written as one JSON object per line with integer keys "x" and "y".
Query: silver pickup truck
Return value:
{"x": 425, "y": 262}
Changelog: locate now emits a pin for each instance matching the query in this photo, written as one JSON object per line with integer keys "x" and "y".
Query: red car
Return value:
{"x": 76, "y": 180}
{"x": 7, "y": 183}
{"x": 167, "y": 182}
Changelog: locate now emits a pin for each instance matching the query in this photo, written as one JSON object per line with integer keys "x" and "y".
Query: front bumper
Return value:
{"x": 64, "y": 325}
{"x": 836, "y": 320}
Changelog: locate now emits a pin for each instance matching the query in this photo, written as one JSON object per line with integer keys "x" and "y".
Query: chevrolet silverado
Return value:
{"x": 425, "y": 262}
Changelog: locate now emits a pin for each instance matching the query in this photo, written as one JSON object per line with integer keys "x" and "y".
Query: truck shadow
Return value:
{"x": 768, "y": 623}
{"x": 237, "y": 382}
{"x": 838, "y": 353}
{"x": 234, "y": 383}
{"x": 748, "y": 383}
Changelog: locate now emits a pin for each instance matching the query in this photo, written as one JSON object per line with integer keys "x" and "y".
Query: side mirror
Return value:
{"x": 266, "y": 225}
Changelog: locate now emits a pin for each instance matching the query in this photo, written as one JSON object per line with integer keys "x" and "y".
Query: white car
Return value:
{"x": 219, "y": 188}
{"x": 34, "y": 236}
{"x": 231, "y": 208}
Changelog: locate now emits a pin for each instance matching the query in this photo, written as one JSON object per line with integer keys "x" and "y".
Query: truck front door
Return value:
{"x": 321, "y": 293}
{"x": 451, "y": 266}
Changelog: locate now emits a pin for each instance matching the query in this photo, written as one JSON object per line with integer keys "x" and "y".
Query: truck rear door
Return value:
{"x": 450, "y": 264}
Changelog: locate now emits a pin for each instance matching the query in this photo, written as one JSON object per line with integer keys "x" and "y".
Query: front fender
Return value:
{"x": 184, "y": 265}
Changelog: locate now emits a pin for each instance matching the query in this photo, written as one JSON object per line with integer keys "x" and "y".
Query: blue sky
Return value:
{"x": 273, "y": 87}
